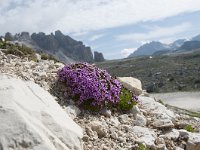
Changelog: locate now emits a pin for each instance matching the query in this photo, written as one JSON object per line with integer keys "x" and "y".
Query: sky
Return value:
{"x": 114, "y": 27}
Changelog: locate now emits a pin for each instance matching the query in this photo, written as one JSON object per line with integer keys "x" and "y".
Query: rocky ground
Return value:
{"x": 149, "y": 125}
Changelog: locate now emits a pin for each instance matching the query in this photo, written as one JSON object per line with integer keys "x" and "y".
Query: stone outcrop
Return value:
{"x": 23, "y": 36}
{"x": 98, "y": 57}
{"x": 46, "y": 42}
{"x": 9, "y": 36}
{"x": 68, "y": 46}
{"x": 31, "y": 119}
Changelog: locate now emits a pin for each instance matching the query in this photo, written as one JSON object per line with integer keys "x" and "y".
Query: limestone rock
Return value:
{"x": 114, "y": 121}
{"x": 114, "y": 135}
{"x": 123, "y": 118}
{"x": 178, "y": 148}
{"x": 97, "y": 126}
{"x": 144, "y": 135}
{"x": 183, "y": 133}
{"x": 40, "y": 74}
{"x": 106, "y": 112}
{"x": 193, "y": 142}
{"x": 72, "y": 111}
{"x": 173, "y": 134}
{"x": 135, "y": 110}
{"x": 31, "y": 119}
{"x": 132, "y": 84}
{"x": 59, "y": 65}
{"x": 38, "y": 57}
{"x": 160, "y": 140}
{"x": 160, "y": 147}
{"x": 157, "y": 110}
{"x": 140, "y": 120}
{"x": 163, "y": 123}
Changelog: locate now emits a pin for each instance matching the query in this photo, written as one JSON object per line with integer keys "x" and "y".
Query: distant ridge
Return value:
{"x": 158, "y": 48}
{"x": 150, "y": 48}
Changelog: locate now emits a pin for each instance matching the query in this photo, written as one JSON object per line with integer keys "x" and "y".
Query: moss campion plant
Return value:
{"x": 189, "y": 128}
{"x": 89, "y": 85}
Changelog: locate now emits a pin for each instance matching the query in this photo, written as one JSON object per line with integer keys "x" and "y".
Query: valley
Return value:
{"x": 162, "y": 73}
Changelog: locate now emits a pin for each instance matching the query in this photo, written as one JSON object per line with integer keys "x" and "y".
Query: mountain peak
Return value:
{"x": 59, "y": 45}
{"x": 196, "y": 38}
{"x": 176, "y": 44}
{"x": 58, "y": 33}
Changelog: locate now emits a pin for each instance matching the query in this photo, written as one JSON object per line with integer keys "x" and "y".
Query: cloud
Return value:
{"x": 143, "y": 42}
{"x": 79, "y": 34}
{"x": 156, "y": 33}
{"x": 168, "y": 40}
{"x": 72, "y": 16}
{"x": 127, "y": 51}
{"x": 95, "y": 37}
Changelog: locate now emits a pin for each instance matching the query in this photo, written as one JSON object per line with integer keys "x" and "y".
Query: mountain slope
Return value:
{"x": 149, "y": 49}
{"x": 176, "y": 44}
{"x": 190, "y": 45}
{"x": 196, "y": 38}
{"x": 59, "y": 45}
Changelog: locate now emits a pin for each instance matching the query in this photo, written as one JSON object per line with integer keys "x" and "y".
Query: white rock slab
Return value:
{"x": 31, "y": 119}
{"x": 158, "y": 110}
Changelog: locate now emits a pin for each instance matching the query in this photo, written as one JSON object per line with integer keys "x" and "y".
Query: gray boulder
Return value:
{"x": 131, "y": 84}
